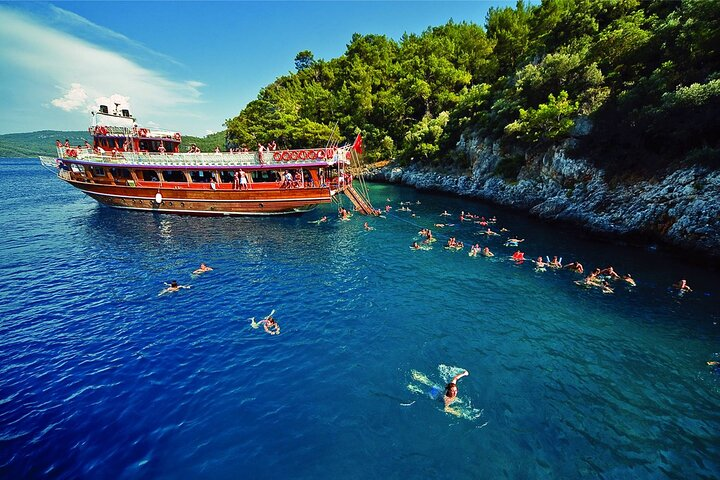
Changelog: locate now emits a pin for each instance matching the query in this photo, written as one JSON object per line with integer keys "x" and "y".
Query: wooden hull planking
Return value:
{"x": 207, "y": 202}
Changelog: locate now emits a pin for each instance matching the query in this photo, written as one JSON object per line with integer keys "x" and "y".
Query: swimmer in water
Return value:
{"x": 555, "y": 263}
{"x": 203, "y": 268}
{"x": 575, "y": 267}
{"x": 629, "y": 280}
{"x": 451, "y": 391}
{"x": 682, "y": 286}
{"x": 271, "y": 326}
{"x": 172, "y": 287}
{"x": 487, "y": 253}
{"x": 415, "y": 246}
{"x": 445, "y": 214}
{"x": 367, "y": 227}
{"x": 610, "y": 272}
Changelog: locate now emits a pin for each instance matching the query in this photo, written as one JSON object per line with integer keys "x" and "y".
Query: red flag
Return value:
{"x": 358, "y": 146}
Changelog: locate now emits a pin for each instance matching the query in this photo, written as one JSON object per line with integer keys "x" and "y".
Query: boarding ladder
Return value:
{"x": 361, "y": 203}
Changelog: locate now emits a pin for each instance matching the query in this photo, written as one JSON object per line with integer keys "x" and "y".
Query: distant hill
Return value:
{"x": 33, "y": 144}
{"x": 206, "y": 143}
{"x": 38, "y": 143}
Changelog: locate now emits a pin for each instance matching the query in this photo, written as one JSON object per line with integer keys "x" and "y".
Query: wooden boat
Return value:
{"x": 142, "y": 169}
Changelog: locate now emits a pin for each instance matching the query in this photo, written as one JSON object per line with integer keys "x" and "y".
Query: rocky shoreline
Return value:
{"x": 679, "y": 209}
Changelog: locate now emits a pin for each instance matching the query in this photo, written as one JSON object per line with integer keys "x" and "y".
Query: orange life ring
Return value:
{"x": 143, "y": 132}
{"x": 286, "y": 156}
{"x": 302, "y": 155}
{"x": 311, "y": 155}
{"x": 321, "y": 154}
{"x": 177, "y": 136}
{"x": 348, "y": 156}
{"x": 277, "y": 156}
{"x": 294, "y": 155}
{"x": 100, "y": 130}
{"x": 71, "y": 152}
{"x": 329, "y": 153}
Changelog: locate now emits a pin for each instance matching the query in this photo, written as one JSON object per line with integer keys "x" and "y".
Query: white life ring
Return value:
{"x": 158, "y": 198}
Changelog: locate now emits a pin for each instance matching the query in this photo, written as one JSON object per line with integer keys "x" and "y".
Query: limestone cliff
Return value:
{"x": 680, "y": 208}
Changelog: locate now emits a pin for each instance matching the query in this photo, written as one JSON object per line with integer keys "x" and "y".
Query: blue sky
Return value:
{"x": 185, "y": 66}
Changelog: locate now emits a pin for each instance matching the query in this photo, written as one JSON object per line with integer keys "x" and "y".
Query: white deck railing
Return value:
{"x": 191, "y": 159}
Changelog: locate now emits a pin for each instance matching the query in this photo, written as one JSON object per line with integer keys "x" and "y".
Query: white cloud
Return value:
{"x": 76, "y": 23}
{"x": 36, "y": 59}
{"x": 75, "y": 98}
{"x": 121, "y": 101}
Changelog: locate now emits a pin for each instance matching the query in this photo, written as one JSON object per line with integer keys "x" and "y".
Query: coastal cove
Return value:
{"x": 677, "y": 210}
{"x": 101, "y": 377}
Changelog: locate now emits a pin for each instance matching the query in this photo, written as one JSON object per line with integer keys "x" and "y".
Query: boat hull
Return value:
{"x": 206, "y": 202}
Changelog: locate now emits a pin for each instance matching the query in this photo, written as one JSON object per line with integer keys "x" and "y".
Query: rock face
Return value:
{"x": 680, "y": 209}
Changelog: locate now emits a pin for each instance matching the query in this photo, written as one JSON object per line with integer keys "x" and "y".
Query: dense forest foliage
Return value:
{"x": 646, "y": 75}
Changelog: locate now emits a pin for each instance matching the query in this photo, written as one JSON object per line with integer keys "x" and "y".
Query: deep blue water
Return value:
{"x": 102, "y": 378}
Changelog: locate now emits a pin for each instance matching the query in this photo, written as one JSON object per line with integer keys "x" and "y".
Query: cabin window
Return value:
{"x": 76, "y": 168}
{"x": 123, "y": 173}
{"x": 97, "y": 171}
{"x": 227, "y": 176}
{"x": 201, "y": 176}
{"x": 264, "y": 176}
{"x": 150, "y": 176}
{"x": 174, "y": 176}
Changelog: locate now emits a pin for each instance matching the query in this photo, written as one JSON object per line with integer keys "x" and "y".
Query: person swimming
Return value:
{"x": 415, "y": 246}
{"x": 627, "y": 278}
{"x": 451, "y": 390}
{"x": 172, "y": 287}
{"x": 513, "y": 242}
{"x": 575, "y": 267}
{"x": 271, "y": 326}
{"x": 487, "y": 253}
{"x": 203, "y": 268}
{"x": 367, "y": 227}
{"x": 610, "y": 272}
{"x": 682, "y": 286}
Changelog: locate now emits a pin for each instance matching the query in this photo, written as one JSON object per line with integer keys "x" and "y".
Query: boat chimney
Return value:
{"x": 103, "y": 109}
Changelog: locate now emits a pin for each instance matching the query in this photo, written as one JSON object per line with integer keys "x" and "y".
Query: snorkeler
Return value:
{"x": 203, "y": 268}
{"x": 172, "y": 287}
{"x": 451, "y": 390}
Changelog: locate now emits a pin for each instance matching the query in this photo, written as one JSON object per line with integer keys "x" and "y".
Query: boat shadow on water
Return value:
{"x": 157, "y": 230}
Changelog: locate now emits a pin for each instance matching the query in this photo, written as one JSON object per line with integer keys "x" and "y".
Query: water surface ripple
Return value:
{"x": 102, "y": 378}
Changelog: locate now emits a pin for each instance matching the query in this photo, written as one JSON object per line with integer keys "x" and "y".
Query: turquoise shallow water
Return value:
{"x": 101, "y": 378}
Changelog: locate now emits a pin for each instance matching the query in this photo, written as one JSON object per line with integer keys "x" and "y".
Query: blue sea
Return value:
{"x": 101, "y": 377}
